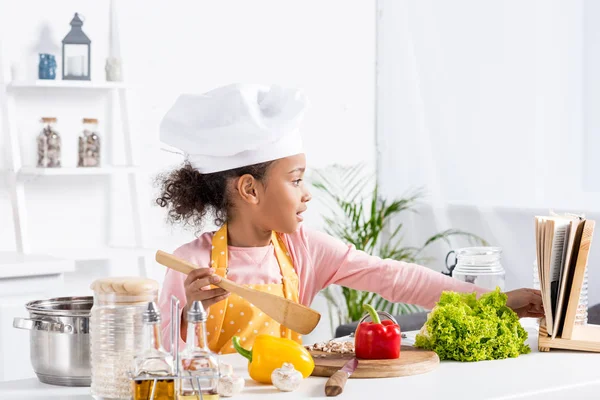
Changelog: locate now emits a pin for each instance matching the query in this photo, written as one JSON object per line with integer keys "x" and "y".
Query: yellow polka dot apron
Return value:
{"x": 235, "y": 316}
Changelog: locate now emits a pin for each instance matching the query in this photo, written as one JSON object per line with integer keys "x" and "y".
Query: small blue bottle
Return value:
{"x": 47, "y": 66}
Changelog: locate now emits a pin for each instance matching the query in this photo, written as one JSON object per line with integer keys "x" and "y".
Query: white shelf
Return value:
{"x": 13, "y": 264}
{"x": 118, "y": 108}
{"x": 100, "y": 253}
{"x": 70, "y": 171}
{"x": 60, "y": 84}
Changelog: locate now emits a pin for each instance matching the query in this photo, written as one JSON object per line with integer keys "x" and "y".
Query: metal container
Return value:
{"x": 59, "y": 339}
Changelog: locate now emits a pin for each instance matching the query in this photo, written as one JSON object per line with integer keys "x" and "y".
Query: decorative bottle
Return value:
{"x": 197, "y": 361}
{"x": 153, "y": 362}
{"x": 89, "y": 144}
{"x": 48, "y": 144}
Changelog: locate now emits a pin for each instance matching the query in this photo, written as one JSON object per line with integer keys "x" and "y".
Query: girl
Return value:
{"x": 245, "y": 165}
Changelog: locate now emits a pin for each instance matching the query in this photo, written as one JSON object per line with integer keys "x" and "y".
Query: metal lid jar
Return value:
{"x": 116, "y": 332}
{"x": 480, "y": 266}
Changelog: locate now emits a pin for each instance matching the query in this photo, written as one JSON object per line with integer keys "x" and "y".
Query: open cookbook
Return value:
{"x": 562, "y": 244}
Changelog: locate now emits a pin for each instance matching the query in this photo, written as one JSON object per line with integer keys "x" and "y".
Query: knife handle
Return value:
{"x": 335, "y": 384}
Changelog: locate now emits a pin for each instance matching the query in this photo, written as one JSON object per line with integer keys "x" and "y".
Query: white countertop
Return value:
{"x": 548, "y": 376}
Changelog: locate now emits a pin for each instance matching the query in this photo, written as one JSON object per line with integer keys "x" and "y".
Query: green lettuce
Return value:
{"x": 460, "y": 327}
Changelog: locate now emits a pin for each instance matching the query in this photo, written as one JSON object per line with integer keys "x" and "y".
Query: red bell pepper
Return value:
{"x": 377, "y": 339}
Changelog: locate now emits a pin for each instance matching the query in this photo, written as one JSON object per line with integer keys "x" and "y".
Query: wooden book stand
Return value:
{"x": 574, "y": 336}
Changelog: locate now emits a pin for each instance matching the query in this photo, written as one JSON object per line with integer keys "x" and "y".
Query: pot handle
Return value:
{"x": 29, "y": 324}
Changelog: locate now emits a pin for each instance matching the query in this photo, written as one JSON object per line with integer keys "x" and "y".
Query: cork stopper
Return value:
{"x": 90, "y": 121}
{"x": 48, "y": 119}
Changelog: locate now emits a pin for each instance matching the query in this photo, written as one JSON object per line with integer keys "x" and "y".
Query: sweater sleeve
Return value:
{"x": 334, "y": 262}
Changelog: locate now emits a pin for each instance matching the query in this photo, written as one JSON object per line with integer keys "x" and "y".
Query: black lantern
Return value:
{"x": 76, "y": 53}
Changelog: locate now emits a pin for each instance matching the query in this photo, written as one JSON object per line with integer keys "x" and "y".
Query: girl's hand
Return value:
{"x": 527, "y": 303}
{"x": 197, "y": 288}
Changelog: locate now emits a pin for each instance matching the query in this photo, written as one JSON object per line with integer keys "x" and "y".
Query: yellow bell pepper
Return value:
{"x": 270, "y": 352}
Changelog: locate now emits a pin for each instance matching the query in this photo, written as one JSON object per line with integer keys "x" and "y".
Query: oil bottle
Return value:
{"x": 153, "y": 362}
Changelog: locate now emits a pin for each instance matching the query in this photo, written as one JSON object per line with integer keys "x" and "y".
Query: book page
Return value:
{"x": 553, "y": 242}
{"x": 538, "y": 248}
{"x": 543, "y": 256}
{"x": 557, "y": 260}
{"x": 548, "y": 237}
{"x": 572, "y": 246}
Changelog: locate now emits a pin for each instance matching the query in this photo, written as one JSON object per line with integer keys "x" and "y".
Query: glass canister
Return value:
{"x": 89, "y": 144}
{"x": 116, "y": 332}
{"x": 48, "y": 144}
{"x": 480, "y": 266}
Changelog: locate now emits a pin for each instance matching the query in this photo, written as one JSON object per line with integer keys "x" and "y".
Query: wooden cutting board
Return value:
{"x": 412, "y": 361}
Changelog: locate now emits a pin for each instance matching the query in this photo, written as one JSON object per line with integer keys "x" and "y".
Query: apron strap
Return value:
{"x": 290, "y": 278}
{"x": 219, "y": 261}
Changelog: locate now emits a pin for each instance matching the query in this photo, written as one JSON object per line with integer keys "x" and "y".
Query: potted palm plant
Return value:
{"x": 358, "y": 215}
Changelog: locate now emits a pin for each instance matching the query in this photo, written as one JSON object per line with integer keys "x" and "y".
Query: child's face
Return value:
{"x": 284, "y": 195}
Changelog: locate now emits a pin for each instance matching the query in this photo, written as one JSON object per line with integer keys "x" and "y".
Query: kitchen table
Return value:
{"x": 548, "y": 376}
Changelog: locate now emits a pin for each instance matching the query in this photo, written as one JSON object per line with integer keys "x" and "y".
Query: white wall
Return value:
{"x": 591, "y": 94}
{"x": 328, "y": 48}
{"x": 483, "y": 103}
{"x": 196, "y": 46}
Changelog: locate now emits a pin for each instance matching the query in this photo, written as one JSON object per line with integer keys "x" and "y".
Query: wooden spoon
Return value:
{"x": 295, "y": 316}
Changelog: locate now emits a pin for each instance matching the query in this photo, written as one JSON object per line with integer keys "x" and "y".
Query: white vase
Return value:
{"x": 113, "y": 69}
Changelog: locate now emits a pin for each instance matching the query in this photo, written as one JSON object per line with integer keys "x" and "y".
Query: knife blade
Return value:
{"x": 335, "y": 383}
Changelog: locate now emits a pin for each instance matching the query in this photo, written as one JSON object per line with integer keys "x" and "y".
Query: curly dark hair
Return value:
{"x": 189, "y": 195}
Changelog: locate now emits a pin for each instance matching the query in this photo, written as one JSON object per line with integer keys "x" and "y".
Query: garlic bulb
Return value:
{"x": 230, "y": 385}
{"x": 225, "y": 369}
{"x": 286, "y": 378}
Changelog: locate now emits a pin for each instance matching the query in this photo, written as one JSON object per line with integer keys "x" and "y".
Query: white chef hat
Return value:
{"x": 235, "y": 125}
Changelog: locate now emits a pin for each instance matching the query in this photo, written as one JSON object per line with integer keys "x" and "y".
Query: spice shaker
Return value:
{"x": 117, "y": 332}
{"x": 199, "y": 366}
{"x": 89, "y": 144}
{"x": 48, "y": 144}
{"x": 153, "y": 361}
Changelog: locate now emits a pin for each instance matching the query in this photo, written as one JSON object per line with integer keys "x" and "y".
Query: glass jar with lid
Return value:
{"x": 89, "y": 144}
{"x": 48, "y": 144}
{"x": 480, "y": 266}
{"x": 116, "y": 332}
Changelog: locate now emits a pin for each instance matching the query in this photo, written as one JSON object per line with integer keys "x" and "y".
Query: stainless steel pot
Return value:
{"x": 59, "y": 339}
